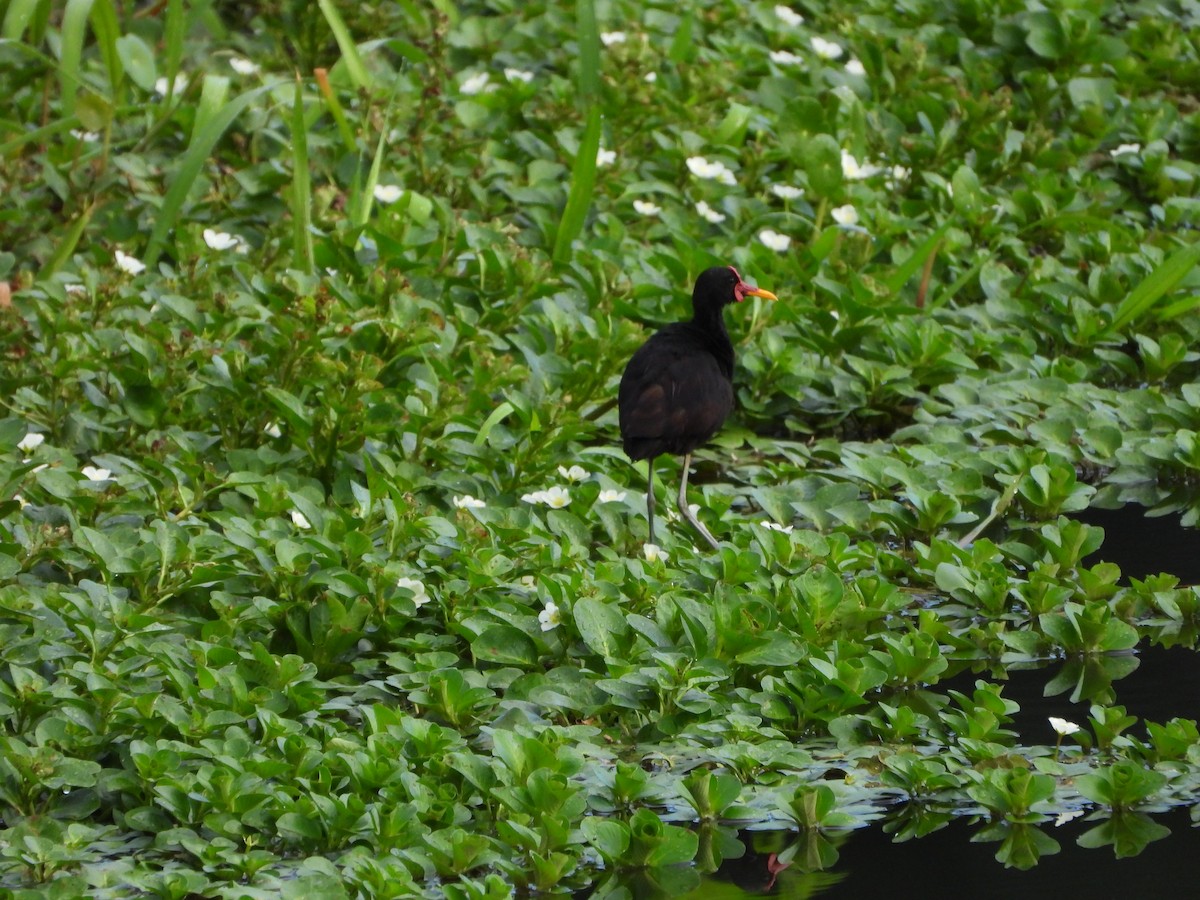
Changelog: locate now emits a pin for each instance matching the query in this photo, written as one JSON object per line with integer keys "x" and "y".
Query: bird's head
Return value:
{"x": 723, "y": 285}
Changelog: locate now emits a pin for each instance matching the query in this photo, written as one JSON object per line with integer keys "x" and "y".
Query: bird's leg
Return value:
{"x": 686, "y": 510}
{"x": 650, "y": 497}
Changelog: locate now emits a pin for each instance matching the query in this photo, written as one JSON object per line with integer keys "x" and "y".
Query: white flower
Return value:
{"x": 789, "y": 16}
{"x": 646, "y": 208}
{"x": 556, "y": 497}
{"x": 130, "y": 264}
{"x": 299, "y": 520}
{"x": 651, "y": 77}
{"x": 575, "y": 473}
{"x": 89, "y": 137}
{"x": 654, "y": 553}
{"x": 476, "y": 84}
{"x": 220, "y": 240}
{"x": 826, "y": 49}
{"x": 702, "y": 168}
{"x": 388, "y": 193}
{"x": 243, "y": 66}
{"x": 419, "y": 598}
{"x": 605, "y": 157}
{"x": 162, "y": 86}
{"x": 785, "y": 58}
{"x": 773, "y": 240}
{"x": 845, "y": 215}
{"x": 775, "y": 526}
{"x": 534, "y": 497}
{"x": 550, "y": 617}
{"x": 518, "y": 75}
{"x": 709, "y": 213}
{"x": 466, "y": 501}
{"x": 21, "y": 501}
{"x": 273, "y": 430}
{"x": 1063, "y": 727}
{"x": 900, "y": 173}
{"x": 854, "y": 66}
{"x": 609, "y": 38}
{"x": 30, "y": 442}
{"x": 1125, "y": 148}
{"x": 91, "y": 473}
{"x": 854, "y": 171}
{"x": 610, "y": 496}
{"x": 786, "y": 191}
{"x": 75, "y": 288}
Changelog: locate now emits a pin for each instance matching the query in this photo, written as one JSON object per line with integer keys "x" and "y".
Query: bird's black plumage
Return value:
{"x": 677, "y": 390}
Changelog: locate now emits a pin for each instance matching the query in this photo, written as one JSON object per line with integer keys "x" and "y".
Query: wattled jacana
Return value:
{"x": 678, "y": 387}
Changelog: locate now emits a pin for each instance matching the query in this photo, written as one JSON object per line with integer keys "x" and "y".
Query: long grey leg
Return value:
{"x": 650, "y": 497}
{"x": 686, "y": 510}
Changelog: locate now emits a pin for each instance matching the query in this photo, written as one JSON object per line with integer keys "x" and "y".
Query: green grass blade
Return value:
{"x": 912, "y": 265}
{"x": 583, "y": 183}
{"x": 199, "y": 148}
{"x": 500, "y": 413}
{"x": 173, "y": 34}
{"x": 302, "y": 242}
{"x": 68, "y": 243}
{"x": 589, "y": 51}
{"x": 74, "y": 25}
{"x": 212, "y": 98}
{"x": 107, "y": 28}
{"x": 354, "y": 64}
{"x": 1155, "y": 286}
{"x": 17, "y": 19}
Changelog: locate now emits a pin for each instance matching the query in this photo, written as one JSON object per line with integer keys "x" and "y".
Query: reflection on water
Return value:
{"x": 1143, "y": 545}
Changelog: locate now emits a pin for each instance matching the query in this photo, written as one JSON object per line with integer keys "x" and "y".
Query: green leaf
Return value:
{"x": 600, "y": 624}
{"x": 345, "y": 41}
{"x": 583, "y": 183}
{"x": 505, "y": 645}
{"x": 822, "y": 160}
{"x": 1155, "y": 286}
{"x": 138, "y": 60}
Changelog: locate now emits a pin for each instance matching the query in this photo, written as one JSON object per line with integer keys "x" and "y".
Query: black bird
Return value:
{"x": 678, "y": 387}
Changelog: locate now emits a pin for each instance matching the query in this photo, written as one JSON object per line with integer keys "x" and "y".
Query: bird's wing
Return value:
{"x": 672, "y": 395}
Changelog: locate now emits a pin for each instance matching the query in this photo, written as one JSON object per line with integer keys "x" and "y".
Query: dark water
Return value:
{"x": 1155, "y": 683}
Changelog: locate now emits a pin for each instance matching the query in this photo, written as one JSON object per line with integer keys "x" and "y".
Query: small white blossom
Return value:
{"x": 163, "y": 87}
{"x": 220, "y": 240}
{"x": 1125, "y": 148}
{"x": 92, "y": 473}
{"x": 37, "y": 469}
{"x": 89, "y": 137}
{"x": 786, "y": 191}
{"x": 420, "y": 597}
{"x": 1063, "y": 727}
{"x": 785, "y": 58}
{"x": 788, "y": 16}
{"x": 75, "y": 288}
{"x": 605, "y": 157}
{"x": 654, "y": 553}
{"x": 702, "y": 168}
{"x": 646, "y": 208}
{"x": 855, "y": 171}
{"x": 130, "y": 264}
{"x": 826, "y": 49}
{"x": 243, "y": 66}
{"x": 21, "y": 501}
{"x": 709, "y": 213}
{"x": 651, "y": 77}
{"x": 273, "y": 430}
{"x": 610, "y": 496}
{"x": 773, "y": 240}
{"x": 900, "y": 173}
{"x": 388, "y": 193}
{"x": 30, "y": 442}
{"x": 475, "y": 84}
{"x": 573, "y": 474}
{"x": 518, "y": 75}
{"x": 299, "y": 520}
{"x": 854, "y": 66}
{"x": 550, "y": 617}
{"x": 556, "y": 497}
{"x": 845, "y": 215}
{"x": 775, "y": 526}
{"x": 466, "y": 501}
{"x": 611, "y": 38}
